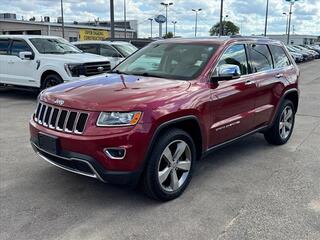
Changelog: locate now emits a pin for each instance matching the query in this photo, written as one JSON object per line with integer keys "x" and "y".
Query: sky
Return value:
{"x": 249, "y": 15}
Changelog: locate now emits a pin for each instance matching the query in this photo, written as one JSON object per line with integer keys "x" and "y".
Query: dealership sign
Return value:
{"x": 93, "y": 34}
{"x": 160, "y": 19}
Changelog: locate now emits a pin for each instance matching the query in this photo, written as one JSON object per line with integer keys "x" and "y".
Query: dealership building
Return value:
{"x": 295, "y": 39}
{"x": 75, "y": 31}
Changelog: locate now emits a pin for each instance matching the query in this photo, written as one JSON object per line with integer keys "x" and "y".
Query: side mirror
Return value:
{"x": 26, "y": 55}
{"x": 227, "y": 72}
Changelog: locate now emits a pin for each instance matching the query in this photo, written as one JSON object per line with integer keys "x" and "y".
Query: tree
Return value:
{"x": 168, "y": 35}
{"x": 229, "y": 28}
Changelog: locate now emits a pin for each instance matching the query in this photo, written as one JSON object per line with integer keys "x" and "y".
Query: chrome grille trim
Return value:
{"x": 54, "y": 124}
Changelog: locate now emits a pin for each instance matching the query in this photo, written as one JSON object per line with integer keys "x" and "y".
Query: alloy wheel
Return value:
{"x": 174, "y": 165}
{"x": 286, "y": 122}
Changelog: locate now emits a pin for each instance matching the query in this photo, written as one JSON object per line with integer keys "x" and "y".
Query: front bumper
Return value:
{"x": 87, "y": 166}
{"x": 84, "y": 154}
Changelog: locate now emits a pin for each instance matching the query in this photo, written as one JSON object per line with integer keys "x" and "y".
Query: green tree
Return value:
{"x": 229, "y": 28}
{"x": 168, "y": 35}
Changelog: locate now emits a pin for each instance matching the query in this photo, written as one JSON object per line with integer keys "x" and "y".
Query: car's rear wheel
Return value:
{"x": 170, "y": 165}
{"x": 282, "y": 128}
{"x": 51, "y": 80}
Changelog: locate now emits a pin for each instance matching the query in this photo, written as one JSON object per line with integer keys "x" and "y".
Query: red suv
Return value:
{"x": 158, "y": 112}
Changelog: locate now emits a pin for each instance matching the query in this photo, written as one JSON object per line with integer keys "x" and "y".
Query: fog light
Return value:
{"x": 115, "y": 153}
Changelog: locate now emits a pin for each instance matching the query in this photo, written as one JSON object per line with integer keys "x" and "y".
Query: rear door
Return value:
{"x": 233, "y": 100}
{"x": 4, "y": 55}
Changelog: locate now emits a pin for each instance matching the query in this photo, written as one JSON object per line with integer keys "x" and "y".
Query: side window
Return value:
{"x": 260, "y": 57}
{"x": 280, "y": 58}
{"x": 235, "y": 55}
{"x": 108, "y": 51}
{"x": 4, "y": 45}
{"x": 88, "y": 48}
{"x": 19, "y": 46}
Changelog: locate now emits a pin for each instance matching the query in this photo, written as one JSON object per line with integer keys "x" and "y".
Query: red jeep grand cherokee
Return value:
{"x": 159, "y": 111}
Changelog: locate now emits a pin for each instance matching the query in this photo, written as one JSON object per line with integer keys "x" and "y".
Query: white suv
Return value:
{"x": 45, "y": 61}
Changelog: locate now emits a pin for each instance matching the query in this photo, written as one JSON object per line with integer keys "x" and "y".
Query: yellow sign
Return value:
{"x": 93, "y": 34}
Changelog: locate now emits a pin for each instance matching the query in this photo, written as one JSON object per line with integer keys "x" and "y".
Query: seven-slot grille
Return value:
{"x": 63, "y": 120}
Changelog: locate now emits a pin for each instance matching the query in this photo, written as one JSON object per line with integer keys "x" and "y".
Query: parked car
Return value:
{"x": 45, "y": 61}
{"x": 306, "y": 56}
{"x": 298, "y": 57}
{"x": 116, "y": 51}
{"x": 151, "y": 124}
{"x": 313, "y": 47}
{"x": 311, "y": 52}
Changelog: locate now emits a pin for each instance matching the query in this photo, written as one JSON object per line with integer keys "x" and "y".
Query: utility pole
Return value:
{"x": 224, "y": 25}
{"x": 266, "y": 21}
{"x": 196, "y": 23}
{"x": 287, "y": 17}
{"x": 125, "y": 18}
{"x": 221, "y": 13}
{"x": 112, "y": 18}
{"x": 62, "y": 19}
{"x": 151, "y": 20}
{"x": 174, "y": 28}
{"x": 167, "y": 5}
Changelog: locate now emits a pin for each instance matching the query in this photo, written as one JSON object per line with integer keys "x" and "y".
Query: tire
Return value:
{"x": 165, "y": 187}
{"x": 51, "y": 80}
{"x": 280, "y": 132}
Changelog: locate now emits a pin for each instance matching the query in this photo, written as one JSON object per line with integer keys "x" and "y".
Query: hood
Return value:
{"x": 114, "y": 92}
{"x": 76, "y": 57}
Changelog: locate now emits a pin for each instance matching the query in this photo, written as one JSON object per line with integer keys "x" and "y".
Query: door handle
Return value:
{"x": 11, "y": 62}
{"x": 279, "y": 75}
{"x": 249, "y": 82}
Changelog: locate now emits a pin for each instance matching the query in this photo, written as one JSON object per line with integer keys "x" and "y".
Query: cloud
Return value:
{"x": 247, "y": 14}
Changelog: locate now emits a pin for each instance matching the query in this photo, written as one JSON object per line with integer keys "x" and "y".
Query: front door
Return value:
{"x": 233, "y": 100}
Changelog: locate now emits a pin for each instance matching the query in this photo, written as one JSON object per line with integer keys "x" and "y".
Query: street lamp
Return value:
{"x": 174, "y": 28}
{"x": 287, "y": 15}
{"x": 196, "y": 23}
{"x": 166, "y": 5}
{"x": 290, "y": 13}
{"x": 266, "y": 21}
{"x": 151, "y": 20}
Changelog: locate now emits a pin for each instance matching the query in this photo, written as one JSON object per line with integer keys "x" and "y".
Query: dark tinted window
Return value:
{"x": 235, "y": 55}
{"x": 19, "y": 46}
{"x": 108, "y": 51}
{"x": 280, "y": 58}
{"x": 260, "y": 57}
{"x": 4, "y": 44}
{"x": 89, "y": 48}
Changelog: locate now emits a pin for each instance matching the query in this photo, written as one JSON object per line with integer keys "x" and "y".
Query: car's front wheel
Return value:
{"x": 51, "y": 80}
{"x": 282, "y": 128}
{"x": 170, "y": 165}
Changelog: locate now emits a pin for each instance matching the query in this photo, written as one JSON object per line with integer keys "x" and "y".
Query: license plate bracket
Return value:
{"x": 48, "y": 143}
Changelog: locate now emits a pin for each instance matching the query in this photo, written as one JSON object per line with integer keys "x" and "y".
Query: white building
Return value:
{"x": 295, "y": 39}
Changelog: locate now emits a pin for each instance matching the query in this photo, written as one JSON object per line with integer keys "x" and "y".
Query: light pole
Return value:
{"x": 151, "y": 20}
{"x": 167, "y": 5}
{"x": 224, "y": 25}
{"x": 174, "y": 28}
{"x": 62, "y": 18}
{"x": 112, "y": 19}
{"x": 266, "y": 21}
{"x": 290, "y": 14}
{"x": 221, "y": 13}
{"x": 287, "y": 16}
{"x": 196, "y": 23}
{"x": 125, "y": 18}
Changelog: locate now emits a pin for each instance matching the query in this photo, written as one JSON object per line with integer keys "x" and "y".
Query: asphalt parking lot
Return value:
{"x": 249, "y": 190}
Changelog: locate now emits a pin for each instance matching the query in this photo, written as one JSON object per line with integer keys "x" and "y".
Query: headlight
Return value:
{"x": 114, "y": 119}
{"x": 74, "y": 70}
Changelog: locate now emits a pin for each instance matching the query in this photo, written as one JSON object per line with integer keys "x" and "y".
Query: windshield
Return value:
{"x": 125, "y": 49}
{"x": 168, "y": 60}
{"x": 54, "y": 46}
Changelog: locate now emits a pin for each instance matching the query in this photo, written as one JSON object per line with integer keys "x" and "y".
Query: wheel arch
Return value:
{"x": 47, "y": 73}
